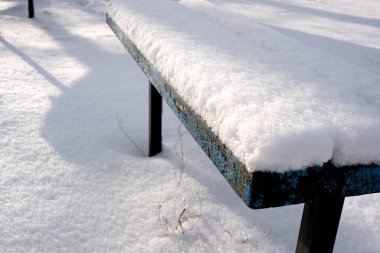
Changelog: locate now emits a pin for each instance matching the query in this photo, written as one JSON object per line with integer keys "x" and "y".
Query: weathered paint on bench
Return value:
{"x": 259, "y": 189}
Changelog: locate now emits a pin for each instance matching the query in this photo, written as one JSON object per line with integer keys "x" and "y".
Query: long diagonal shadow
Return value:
{"x": 34, "y": 65}
{"x": 364, "y": 57}
{"x": 321, "y": 13}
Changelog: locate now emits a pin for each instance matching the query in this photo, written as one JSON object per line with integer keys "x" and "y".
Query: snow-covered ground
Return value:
{"x": 70, "y": 179}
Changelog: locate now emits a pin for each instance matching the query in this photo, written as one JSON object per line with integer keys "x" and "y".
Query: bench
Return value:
{"x": 148, "y": 28}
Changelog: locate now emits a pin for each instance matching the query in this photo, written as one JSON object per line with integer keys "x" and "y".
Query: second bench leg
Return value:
{"x": 155, "y": 121}
{"x": 319, "y": 225}
{"x": 30, "y": 8}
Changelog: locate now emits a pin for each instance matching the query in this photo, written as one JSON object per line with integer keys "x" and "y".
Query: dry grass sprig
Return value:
{"x": 244, "y": 240}
{"x": 180, "y": 155}
{"x": 183, "y": 222}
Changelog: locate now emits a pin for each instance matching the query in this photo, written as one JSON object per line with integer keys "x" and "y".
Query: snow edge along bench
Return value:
{"x": 321, "y": 188}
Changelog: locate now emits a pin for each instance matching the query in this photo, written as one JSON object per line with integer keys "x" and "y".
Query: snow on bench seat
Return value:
{"x": 280, "y": 109}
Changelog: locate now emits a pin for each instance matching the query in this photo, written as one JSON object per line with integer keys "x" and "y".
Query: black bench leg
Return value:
{"x": 30, "y": 8}
{"x": 319, "y": 225}
{"x": 155, "y": 121}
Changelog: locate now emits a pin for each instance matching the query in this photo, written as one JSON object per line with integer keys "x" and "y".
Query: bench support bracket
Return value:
{"x": 155, "y": 121}
{"x": 319, "y": 225}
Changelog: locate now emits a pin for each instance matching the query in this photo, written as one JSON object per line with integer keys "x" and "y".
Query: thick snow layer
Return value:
{"x": 70, "y": 181}
{"x": 277, "y": 101}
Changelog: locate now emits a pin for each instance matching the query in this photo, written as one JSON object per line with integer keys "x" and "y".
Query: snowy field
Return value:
{"x": 72, "y": 181}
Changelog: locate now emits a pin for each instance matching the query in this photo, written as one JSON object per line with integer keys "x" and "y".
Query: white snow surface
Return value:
{"x": 277, "y": 101}
{"x": 70, "y": 180}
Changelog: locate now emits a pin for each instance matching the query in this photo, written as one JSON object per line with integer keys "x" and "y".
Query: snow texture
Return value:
{"x": 70, "y": 181}
{"x": 278, "y": 103}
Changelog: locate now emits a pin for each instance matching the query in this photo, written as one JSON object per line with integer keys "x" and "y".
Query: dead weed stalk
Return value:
{"x": 187, "y": 219}
{"x": 127, "y": 135}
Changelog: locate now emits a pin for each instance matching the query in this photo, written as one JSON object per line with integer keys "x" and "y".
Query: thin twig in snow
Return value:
{"x": 183, "y": 219}
{"x": 222, "y": 225}
{"x": 181, "y": 155}
{"x": 200, "y": 212}
{"x": 268, "y": 233}
{"x": 164, "y": 221}
{"x": 245, "y": 240}
{"x": 127, "y": 136}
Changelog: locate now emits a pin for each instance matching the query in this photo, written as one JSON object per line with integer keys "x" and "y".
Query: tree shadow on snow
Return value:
{"x": 317, "y": 12}
{"x": 359, "y": 55}
{"x": 82, "y": 121}
{"x": 34, "y": 64}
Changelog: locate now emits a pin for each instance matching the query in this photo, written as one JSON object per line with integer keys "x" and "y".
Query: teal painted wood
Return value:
{"x": 258, "y": 189}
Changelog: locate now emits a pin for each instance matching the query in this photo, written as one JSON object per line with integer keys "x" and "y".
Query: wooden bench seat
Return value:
{"x": 322, "y": 187}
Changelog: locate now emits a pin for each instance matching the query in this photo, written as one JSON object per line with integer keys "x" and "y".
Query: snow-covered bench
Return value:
{"x": 283, "y": 122}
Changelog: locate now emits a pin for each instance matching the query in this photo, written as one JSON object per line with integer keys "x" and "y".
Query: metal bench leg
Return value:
{"x": 155, "y": 121}
{"x": 30, "y": 8}
{"x": 319, "y": 225}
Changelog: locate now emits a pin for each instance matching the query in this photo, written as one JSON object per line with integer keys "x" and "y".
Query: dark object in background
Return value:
{"x": 30, "y": 8}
